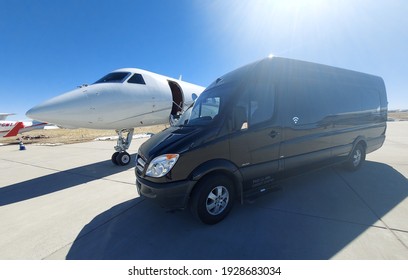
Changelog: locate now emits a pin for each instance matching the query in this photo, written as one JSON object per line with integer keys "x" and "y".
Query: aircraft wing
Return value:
{"x": 35, "y": 125}
{"x": 3, "y": 116}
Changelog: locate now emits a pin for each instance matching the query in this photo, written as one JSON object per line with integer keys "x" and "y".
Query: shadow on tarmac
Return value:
{"x": 314, "y": 216}
{"x": 58, "y": 181}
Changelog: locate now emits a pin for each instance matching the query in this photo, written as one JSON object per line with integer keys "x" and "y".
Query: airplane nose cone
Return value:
{"x": 47, "y": 111}
{"x": 34, "y": 113}
{"x": 65, "y": 110}
{"x": 42, "y": 113}
{"x": 49, "y": 108}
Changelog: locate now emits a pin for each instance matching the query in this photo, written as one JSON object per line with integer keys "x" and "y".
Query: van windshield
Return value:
{"x": 210, "y": 105}
{"x": 183, "y": 120}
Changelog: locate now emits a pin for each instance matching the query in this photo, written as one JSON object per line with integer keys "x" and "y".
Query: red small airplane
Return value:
{"x": 12, "y": 128}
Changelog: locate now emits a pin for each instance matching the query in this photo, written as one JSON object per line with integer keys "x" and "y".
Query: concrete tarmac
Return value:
{"x": 71, "y": 202}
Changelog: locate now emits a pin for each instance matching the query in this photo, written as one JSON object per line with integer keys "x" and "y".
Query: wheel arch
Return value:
{"x": 359, "y": 140}
{"x": 221, "y": 167}
{"x": 350, "y": 164}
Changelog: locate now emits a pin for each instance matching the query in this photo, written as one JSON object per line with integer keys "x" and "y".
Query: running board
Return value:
{"x": 255, "y": 193}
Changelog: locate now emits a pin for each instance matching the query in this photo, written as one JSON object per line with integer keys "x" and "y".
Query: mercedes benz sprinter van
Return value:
{"x": 253, "y": 126}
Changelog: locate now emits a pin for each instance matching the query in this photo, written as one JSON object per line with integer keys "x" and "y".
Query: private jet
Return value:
{"x": 12, "y": 128}
{"x": 122, "y": 100}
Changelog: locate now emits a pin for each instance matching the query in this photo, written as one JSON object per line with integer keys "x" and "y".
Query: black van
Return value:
{"x": 262, "y": 122}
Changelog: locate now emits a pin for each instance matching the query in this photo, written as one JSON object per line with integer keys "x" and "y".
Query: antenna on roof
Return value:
{"x": 181, "y": 76}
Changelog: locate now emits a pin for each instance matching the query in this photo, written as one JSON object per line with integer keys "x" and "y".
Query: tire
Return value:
{"x": 123, "y": 158}
{"x": 212, "y": 199}
{"x": 114, "y": 156}
{"x": 356, "y": 158}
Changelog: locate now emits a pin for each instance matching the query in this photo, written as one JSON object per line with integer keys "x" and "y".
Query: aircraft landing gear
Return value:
{"x": 121, "y": 157}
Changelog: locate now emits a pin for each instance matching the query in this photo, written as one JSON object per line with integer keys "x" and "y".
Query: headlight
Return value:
{"x": 161, "y": 165}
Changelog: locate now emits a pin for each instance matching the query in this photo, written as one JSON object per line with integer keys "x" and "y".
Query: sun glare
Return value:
{"x": 285, "y": 28}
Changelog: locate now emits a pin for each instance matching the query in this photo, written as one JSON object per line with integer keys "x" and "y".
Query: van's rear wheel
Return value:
{"x": 212, "y": 199}
{"x": 356, "y": 158}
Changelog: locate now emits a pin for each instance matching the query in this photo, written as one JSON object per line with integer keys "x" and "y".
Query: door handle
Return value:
{"x": 273, "y": 133}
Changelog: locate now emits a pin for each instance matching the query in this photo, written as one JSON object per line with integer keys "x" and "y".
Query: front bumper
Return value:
{"x": 173, "y": 195}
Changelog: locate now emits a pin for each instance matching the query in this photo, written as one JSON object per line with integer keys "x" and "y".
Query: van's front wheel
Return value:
{"x": 212, "y": 199}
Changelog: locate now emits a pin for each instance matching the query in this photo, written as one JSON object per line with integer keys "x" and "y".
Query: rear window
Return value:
{"x": 115, "y": 77}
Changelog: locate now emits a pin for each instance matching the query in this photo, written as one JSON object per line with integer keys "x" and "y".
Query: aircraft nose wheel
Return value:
{"x": 121, "y": 158}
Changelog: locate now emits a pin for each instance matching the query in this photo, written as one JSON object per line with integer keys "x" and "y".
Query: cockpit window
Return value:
{"x": 114, "y": 77}
{"x": 136, "y": 79}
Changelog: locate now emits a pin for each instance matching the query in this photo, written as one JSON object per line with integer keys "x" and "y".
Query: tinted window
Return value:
{"x": 370, "y": 100}
{"x": 258, "y": 102}
{"x": 354, "y": 98}
{"x": 261, "y": 104}
{"x": 136, "y": 79}
{"x": 115, "y": 77}
{"x": 308, "y": 101}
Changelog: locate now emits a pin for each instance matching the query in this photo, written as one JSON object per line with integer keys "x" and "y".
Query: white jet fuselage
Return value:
{"x": 127, "y": 98}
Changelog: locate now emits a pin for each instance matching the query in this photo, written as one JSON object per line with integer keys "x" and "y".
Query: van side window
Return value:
{"x": 258, "y": 104}
{"x": 261, "y": 104}
{"x": 370, "y": 100}
{"x": 309, "y": 103}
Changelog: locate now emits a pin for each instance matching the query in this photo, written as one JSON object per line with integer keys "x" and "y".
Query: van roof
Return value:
{"x": 291, "y": 67}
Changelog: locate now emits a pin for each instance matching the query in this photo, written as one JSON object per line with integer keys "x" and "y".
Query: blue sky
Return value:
{"x": 48, "y": 47}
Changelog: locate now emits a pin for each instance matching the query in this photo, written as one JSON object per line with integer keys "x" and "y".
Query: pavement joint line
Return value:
{"x": 371, "y": 209}
{"x": 66, "y": 171}
{"x": 33, "y": 165}
{"x": 95, "y": 228}
{"x": 76, "y": 148}
{"x": 325, "y": 218}
{"x": 399, "y": 230}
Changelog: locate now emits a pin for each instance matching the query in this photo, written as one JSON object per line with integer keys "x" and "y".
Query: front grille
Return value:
{"x": 140, "y": 164}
